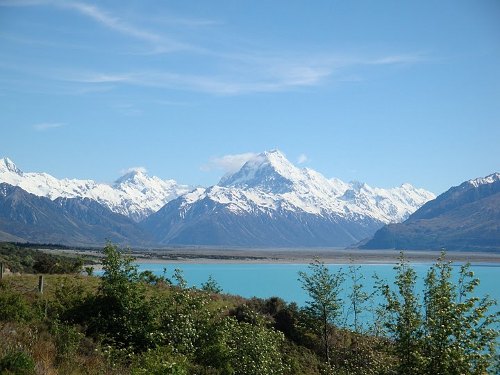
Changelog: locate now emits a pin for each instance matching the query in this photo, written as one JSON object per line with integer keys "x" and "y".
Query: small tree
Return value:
{"x": 323, "y": 288}
{"x": 123, "y": 310}
{"x": 358, "y": 297}
{"x": 404, "y": 320}
{"x": 211, "y": 286}
{"x": 451, "y": 333}
{"x": 459, "y": 338}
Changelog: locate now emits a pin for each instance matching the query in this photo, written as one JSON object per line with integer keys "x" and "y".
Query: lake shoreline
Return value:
{"x": 300, "y": 256}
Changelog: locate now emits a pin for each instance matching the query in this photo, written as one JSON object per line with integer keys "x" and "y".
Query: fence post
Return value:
{"x": 40, "y": 284}
{"x": 1, "y": 270}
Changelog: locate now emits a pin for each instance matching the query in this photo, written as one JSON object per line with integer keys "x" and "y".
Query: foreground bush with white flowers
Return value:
{"x": 127, "y": 322}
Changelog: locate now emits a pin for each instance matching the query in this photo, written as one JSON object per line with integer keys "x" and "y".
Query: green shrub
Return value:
{"x": 17, "y": 362}
{"x": 160, "y": 361}
{"x": 13, "y": 306}
{"x": 67, "y": 340}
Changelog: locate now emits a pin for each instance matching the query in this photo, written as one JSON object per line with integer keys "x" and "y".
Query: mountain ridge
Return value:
{"x": 134, "y": 194}
{"x": 72, "y": 221}
{"x": 465, "y": 217}
{"x": 267, "y": 202}
{"x": 270, "y": 195}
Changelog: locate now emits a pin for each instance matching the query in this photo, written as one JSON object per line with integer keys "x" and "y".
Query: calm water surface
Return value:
{"x": 267, "y": 280}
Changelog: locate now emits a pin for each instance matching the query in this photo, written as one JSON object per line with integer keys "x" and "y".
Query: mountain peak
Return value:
{"x": 7, "y": 165}
{"x": 269, "y": 170}
{"x": 131, "y": 175}
{"x": 494, "y": 177}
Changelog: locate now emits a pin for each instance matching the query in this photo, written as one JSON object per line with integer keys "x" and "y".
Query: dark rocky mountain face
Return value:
{"x": 466, "y": 217}
{"x": 211, "y": 223}
{"x": 75, "y": 221}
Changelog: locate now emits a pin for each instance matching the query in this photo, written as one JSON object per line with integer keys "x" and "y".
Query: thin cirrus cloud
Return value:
{"x": 228, "y": 163}
{"x": 224, "y": 72}
{"x": 302, "y": 159}
{"x": 44, "y": 126}
{"x": 263, "y": 80}
{"x": 160, "y": 42}
{"x": 268, "y": 75}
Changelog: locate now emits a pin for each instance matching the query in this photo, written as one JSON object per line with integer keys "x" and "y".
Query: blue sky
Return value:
{"x": 383, "y": 92}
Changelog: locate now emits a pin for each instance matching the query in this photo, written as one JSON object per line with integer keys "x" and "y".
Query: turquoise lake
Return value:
{"x": 267, "y": 280}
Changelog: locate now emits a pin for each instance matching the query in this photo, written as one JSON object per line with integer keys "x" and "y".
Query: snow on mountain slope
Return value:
{"x": 485, "y": 180}
{"x": 270, "y": 202}
{"x": 135, "y": 194}
{"x": 269, "y": 181}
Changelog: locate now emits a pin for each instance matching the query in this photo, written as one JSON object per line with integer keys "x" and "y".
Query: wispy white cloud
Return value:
{"x": 111, "y": 22}
{"x": 224, "y": 71}
{"x": 134, "y": 169}
{"x": 398, "y": 59}
{"x": 249, "y": 74}
{"x": 302, "y": 159}
{"x": 161, "y": 43}
{"x": 228, "y": 163}
{"x": 213, "y": 84}
{"x": 47, "y": 126}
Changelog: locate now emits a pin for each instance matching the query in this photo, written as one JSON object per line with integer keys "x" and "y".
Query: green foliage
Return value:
{"x": 357, "y": 297}
{"x": 67, "y": 340}
{"x": 183, "y": 320}
{"x": 253, "y": 349}
{"x": 17, "y": 362}
{"x": 211, "y": 286}
{"x": 89, "y": 270}
{"x": 179, "y": 278}
{"x": 325, "y": 303}
{"x": 122, "y": 316}
{"x": 160, "y": 361}
{"x": 243, "y": 348}
{"x": 149, "y": 277}
{"x": 452, "y": 332}
{"x": 13, "y": 306}
{"x": 25, "y": 260}
{"x": 143, "y": 324}
{"x": 458, "y": 333}
{"x": 404, "y": 321}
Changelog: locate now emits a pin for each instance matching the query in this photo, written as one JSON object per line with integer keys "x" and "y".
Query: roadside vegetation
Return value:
{"x": 20, "y": 258}
{"x": 127, "y": 322}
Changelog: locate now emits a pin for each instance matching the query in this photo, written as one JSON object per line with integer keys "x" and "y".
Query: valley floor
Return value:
{"x": 297, "y": 256}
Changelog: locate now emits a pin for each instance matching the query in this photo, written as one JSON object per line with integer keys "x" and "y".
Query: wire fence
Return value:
{"x": 23, "y": 285}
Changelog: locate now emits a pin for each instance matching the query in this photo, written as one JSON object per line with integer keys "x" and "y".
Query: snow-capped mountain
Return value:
{"x": 135, "y": 194}
{"x": 491, "y": 179}
{"x": 72, "y": 221}
{"x": 271, "y": 175}
{"x": 271, "y": 202}
{"x": 466, "y": 217}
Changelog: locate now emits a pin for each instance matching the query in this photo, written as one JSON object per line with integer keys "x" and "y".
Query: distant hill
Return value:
{"x": 75, "y": 221}
{"x": 466, "y": 217}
